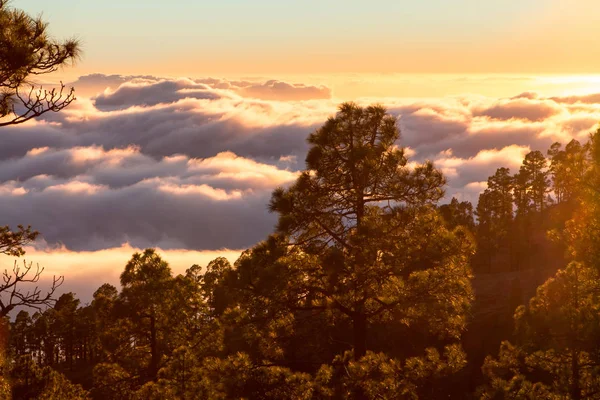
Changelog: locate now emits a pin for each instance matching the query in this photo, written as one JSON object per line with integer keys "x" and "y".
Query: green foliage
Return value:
{"x": 532, "y": 184}
{"x": 582, "y": 232}
{"x": 557, "y": 341}
{"x": 494, "y": 214}
{"x": 363, "y": 292}
{"x": 5, "y": 383}
{"x": 30, "y": 381}
{"x": 147, "y": 283}
{"x": 112, "y": 382}
{"x": 366, "y": 243}
{"x": 506, "y": 381}
{"x": 27, "y": 50}
{"x": 12, "y": 242}
{"x": 237, "y": 377}
{"x": 568, "y": 168}
{"x": 376, "y": 376}
{"x": 367, "y": 248}
{"x": 458, "y": 214}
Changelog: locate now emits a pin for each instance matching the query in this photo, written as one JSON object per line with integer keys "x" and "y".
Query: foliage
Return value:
{"x": 377, "y": 376}
{"x": 27, "y": 51}
{"x": 557, "y": 341}
{"x": 30, "y": 381}
{"x": 365, "y": 241}
{"x": 362, "y": 292}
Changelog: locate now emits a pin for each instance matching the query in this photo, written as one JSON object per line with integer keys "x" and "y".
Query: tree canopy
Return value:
{"x": 368, "y": 288}
{"x": 26, "y": 52}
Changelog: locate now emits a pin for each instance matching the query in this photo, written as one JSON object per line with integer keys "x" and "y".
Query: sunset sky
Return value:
{"x": 329, "y": 36}
{"x": 190, "y": 113}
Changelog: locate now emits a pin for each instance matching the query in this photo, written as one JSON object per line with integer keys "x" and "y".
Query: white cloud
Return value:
{"x": 190, "y": 164}
{"x": 85, "y": 271}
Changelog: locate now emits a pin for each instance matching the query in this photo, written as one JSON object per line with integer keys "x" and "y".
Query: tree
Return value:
{"x": 501, "y": 183}
{"x": 557, "y": 349}
{"x": 21, "y": 334}
{"x": 212, "y": 283}
{"x": 365, "y": 240}
{"x": 457, "y": 214}
{"x": 380, "y": 377}
{"x": 65, "y": 325}
{"x": 13, "y": 241}
{"x": 532, "y": 183}
{"x": 582, "y": 232}
{"x": 568, "y": 168}
{"x": 487, "y": 246}
{"x": 30, "y": 381}
{"x": 147, "y": 284}
{"x": 495, "y": 216}
{"x": 12, "y": 293}
{"x": 26, "y": 51}
{"x": 112, "y": 382}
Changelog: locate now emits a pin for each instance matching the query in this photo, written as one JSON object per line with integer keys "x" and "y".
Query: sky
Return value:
{"x": 190, "y": 113}
{"x": 199, "y": 37}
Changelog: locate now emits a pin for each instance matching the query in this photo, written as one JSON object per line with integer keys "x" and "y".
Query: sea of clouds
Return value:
{"x": 188, "y": 166}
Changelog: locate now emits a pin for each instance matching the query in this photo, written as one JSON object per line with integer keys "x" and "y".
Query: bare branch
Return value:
{"x": 13, "y": 295}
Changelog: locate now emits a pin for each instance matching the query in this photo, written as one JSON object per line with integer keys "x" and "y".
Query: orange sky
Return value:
{"x": 194, "y": 38}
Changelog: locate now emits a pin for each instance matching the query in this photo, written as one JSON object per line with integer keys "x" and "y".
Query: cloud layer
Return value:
{"x": 85, "y": 271}
{"x": 190, "y": 164}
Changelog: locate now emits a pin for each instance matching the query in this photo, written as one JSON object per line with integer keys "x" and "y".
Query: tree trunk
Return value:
{"x": 360, "y": 335}
{"x": 153, "y": 350}
{"x": 360, "y": 346}
{"x": 575, "y": 389}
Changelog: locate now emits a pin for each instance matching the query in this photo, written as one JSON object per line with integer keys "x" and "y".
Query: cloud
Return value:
{"x": 278, "y": 90}
{"x": 91, "y": 198}
{"x": 92, "y": 84}
{"x": 85, "y": 271}
{"x": 190, "y": 164}
{"x": 468, "y": 176}
{"x": 521, "y": 108}
{"x": 162, "y": 92}
{"x": 593, "y": 98}
{"x": 95, "y": 84}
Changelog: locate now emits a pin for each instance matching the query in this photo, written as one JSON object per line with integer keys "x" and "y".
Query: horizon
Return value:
{"x": 468, "y": 136}
{"x": 317, "y": 199}
{"x": 454, "y": 73}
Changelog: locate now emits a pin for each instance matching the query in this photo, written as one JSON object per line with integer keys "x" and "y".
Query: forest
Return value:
{"x": 373, "y": 285}
{"x": 367, "y": 289}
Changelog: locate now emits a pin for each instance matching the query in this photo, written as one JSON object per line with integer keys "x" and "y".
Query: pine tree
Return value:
{"x": 556, "y": 355}
{"x": 27, "y": 50}
{"x": 366, "y": 243}
{"x": 533, "y": 183}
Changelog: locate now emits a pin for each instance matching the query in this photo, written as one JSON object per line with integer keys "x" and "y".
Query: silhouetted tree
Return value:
{"x": 532, "y": 184}
{"x": 30, "y": 381}
{"x": 495, "y": 216}
{"x": 15, "y": 286}
{"x": 556, "y": 355}
{"x": 147, "y": 284}
{"x": 27, "y": 51}
{"x": 365, "y": 241}
{"x": 568, "y": 168}
{"x": 458, "y": 213}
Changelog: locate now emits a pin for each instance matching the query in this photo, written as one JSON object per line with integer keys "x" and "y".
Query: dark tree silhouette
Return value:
{"x": 27, "y": 51}
{"x": 366, "y": 241}
{"x": 12, "y": 292}
{"x": 13, "y": 295}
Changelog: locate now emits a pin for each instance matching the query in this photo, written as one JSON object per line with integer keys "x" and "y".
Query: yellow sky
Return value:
{"x": 236, "y": 37}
